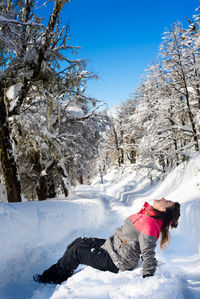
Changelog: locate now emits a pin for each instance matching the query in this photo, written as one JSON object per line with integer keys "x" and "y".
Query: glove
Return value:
{"x": 147, "y": 275}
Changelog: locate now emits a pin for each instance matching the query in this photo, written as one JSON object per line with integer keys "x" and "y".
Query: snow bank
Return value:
{"x": 183, "y": 185}
{"x": 35, "y": 234}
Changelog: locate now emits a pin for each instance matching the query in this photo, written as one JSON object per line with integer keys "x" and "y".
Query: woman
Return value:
{"x": 137, "y": 237}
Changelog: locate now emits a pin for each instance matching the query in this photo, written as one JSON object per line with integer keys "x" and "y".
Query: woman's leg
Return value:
{"x": 87, "y": 251}
{"x": 57, "y": 273}
{"x": 97, "y": 258}
{"x": 95, "y": 242}
{"x": 72, "y": 257}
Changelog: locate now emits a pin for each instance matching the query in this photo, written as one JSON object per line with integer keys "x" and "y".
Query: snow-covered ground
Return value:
{"x": 33, "y": 235}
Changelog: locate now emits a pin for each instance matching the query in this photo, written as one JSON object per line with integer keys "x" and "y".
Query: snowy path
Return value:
{"x": 34, "y": 235}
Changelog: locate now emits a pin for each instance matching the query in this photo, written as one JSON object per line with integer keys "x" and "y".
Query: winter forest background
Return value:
{"x": 53, "y": 136}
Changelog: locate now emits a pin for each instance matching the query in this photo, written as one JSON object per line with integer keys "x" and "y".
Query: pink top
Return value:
{"x": 146, "y": 224}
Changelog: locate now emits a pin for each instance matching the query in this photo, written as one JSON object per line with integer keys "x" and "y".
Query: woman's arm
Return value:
{"x": 147, "y": 247}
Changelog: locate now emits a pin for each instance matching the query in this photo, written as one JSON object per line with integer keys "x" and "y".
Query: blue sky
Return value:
{"x": 120, "y": 38}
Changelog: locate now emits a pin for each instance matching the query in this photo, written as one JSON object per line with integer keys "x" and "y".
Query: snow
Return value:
{"x": 75, "y": 111}
{"x": 12, "y": 95}
{"x": 13, "y": 91}
{"x": 2, "y": 192}
{"x": 34, "y": 235}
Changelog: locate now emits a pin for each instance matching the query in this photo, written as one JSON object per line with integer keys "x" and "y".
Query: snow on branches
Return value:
{"x": 38, "y": 81}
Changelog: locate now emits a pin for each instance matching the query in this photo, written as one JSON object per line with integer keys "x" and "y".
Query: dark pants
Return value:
{"x": 86, "y": 251}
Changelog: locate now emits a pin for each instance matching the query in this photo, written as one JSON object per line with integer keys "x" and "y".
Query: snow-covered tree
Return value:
{"x": 168, "y": 103}
{"x": 32, "y": 56}
{"x": 55, "y": 151}
{"x": 179, "y": 63}
{"x": 161, "y": 123}
{"x": 127, "y": 128}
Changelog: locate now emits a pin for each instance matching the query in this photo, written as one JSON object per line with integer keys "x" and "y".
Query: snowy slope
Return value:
{"x": 34, "y": 235}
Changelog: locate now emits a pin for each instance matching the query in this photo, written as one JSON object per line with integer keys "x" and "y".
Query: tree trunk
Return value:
{"x": 51, "y": 187}
{"x": 64, "y": 177}
{"x": 66, "y": 192}
{"x": 41, "y": 188}
{"x": 121, "y": 155}
{"x": 117, "y": 146}
{"x": 190, "y": 114}
{"x": 132, "y": 156}
{"x": 45, "y": 187}
{"x": 191, "y": 117}
{"x": 8, "y": 163}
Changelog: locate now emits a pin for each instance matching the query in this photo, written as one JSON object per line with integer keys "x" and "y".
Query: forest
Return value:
{"x": 53, "y": 136}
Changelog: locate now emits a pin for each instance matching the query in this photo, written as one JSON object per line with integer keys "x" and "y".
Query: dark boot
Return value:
{"x": 55, "y": 275}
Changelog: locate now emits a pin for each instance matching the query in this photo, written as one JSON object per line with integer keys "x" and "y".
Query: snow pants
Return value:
{"x": 86, "y": 251}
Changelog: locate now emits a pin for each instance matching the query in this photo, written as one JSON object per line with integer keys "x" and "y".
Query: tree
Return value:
{"x": 126, "y": 127}
{"x": 31, "y": 57}
{"x": 180, "y": 71}
{"x": 56, "y": 150}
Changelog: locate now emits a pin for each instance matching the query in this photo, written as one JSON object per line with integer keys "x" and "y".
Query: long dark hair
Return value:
{"x": 170, "y": 217}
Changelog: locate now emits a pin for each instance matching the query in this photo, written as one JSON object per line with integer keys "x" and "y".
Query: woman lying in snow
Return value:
{"x": 122, "y": 251}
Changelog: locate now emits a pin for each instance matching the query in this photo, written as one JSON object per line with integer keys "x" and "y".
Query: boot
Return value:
{"x": 55, "y": 275}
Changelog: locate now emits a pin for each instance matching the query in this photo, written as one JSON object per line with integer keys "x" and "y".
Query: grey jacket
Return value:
{"x": 129, "y": 242}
